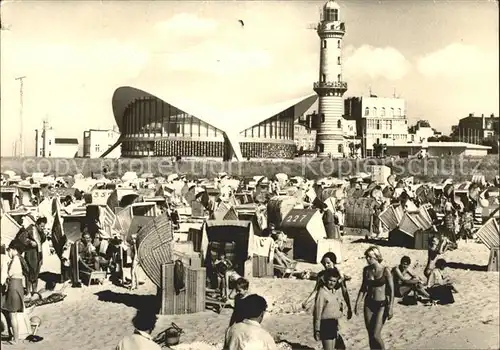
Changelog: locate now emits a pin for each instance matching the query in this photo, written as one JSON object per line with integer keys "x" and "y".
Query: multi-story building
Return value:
{"x": 379, "y": 120}
{"x": 473, "y": 129}
{"x": 47, "y": 145}
{"x": 304, "y": 137}
{"x": 96, "y": 142}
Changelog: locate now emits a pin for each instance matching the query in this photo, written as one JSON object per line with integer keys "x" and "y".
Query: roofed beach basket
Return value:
{"x": 154, "y": 247}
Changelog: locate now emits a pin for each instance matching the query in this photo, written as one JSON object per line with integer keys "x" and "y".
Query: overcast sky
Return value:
{"x": 441, "y": 56}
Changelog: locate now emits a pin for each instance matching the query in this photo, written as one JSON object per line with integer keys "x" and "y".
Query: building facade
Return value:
{"x": 150, "y": 126}
{"x": 96, "y": 142}
{"x": 330, "y": 86}
{"x": 352, "y": 143}
{"x": 378, "y": 120}
{"x": 47, "y": 145}
{"x": 474, "y": 129}
{"x": 305, "y": 138}
{"x": 436, "y": 149}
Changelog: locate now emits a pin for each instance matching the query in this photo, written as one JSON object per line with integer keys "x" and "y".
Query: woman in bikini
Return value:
{"x": 329, "y": 261}
{"x": 377, "y": 290}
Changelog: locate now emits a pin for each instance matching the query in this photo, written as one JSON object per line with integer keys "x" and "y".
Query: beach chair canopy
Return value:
{"x": 122, "y": 197}
{"x": 238, "y": 231}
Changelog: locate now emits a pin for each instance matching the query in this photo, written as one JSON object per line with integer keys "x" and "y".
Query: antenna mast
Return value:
{"x": 21, "y": 141}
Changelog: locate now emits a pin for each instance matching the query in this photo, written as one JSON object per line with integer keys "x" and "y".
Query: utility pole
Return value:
{"x": 21, "y": 141}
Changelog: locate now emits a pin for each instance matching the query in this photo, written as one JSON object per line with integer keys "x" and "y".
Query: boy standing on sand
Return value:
{"x": 241, "y": 291}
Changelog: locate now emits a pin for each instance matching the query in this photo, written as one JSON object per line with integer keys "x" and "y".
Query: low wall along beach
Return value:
{"x": 434, "y": 169}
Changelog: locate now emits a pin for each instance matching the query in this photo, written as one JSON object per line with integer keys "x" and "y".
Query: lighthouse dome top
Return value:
{"x": 331, "y": 5}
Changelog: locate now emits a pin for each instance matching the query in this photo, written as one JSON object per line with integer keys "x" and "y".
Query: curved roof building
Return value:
{"x": 157, "y": 126}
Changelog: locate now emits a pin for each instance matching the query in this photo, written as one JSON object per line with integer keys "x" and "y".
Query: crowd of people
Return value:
{"x": 380, "y": 284}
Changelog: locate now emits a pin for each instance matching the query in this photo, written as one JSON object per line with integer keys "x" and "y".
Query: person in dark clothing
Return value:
{"x": 31, "y": 239}
{"x": 241, "y": 290}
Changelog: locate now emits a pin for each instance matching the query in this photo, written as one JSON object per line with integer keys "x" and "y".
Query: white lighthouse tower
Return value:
{"x": 330, "y": 87}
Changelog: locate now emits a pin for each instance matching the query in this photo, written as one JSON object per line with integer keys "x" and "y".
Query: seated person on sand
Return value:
{"x": 439, "y": 286}
{"x": 280, "y": 258}
{"x": 88, "y": 259}
{"x": 405, "y": 282}
{"x": 226, "y": 275}
{"x": 437, "y": 246}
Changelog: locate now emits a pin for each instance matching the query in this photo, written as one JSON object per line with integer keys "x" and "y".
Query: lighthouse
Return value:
{"x": 330, "y": 86}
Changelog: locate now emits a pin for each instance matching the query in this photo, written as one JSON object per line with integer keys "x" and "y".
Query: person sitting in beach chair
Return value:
{"x": 406, "y": 282}
{"x": 281, "y": 260}
{"x": 439, "y": 286}
{"x": 226, "y": 275}
{"x": 88, "y": 259}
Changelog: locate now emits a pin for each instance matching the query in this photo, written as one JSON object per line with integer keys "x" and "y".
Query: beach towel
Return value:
{"x": 51, "y": 299}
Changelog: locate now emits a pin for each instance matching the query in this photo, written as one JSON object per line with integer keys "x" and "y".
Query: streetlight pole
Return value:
{"x": 21, "y": 141}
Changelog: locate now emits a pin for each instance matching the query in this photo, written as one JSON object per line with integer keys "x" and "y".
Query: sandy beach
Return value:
{"x": 97, "y": 317}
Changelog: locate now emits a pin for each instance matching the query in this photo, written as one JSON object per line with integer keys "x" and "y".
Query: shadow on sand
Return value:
{"x": 130, "y": 300}
{"x": 50, "y": 279}
{"x": 462, "y": 266}
{"x": 377, "y": 242}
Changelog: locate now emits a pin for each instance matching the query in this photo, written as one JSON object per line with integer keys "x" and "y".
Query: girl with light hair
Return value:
{"x": 377, "y": 291}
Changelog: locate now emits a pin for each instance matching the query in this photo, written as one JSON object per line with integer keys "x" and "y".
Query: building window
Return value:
{"x": 339, "y": 124}
{"x": 321, "y": 147}
{"x": 323, "y": 78}
{"x": 340, "y": 148}
{"x": 50, "y": 154}
{"x": 391, "y": 113}
{"x": 399, "y": 112}
{"x": 367, "y": 111}
{"x": 385, "y": 136}
{"x": 382, "y": 112}
{"x": 338, "y": 44}
{"x": 339, "y": 77}
{"x": 338, "y": 60}
{"x": 50, "y": 142}
{"x": 378, "y": 125}
{"x": 97, "y": 148}
{"x": 323, "y": 44}
{"x": 374, "y": 111}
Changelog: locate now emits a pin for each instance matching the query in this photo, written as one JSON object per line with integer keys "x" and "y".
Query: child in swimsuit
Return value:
{"x": 329, "y": 261}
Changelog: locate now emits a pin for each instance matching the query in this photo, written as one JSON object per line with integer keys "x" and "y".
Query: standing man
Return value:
{"x": 32, "y": 237}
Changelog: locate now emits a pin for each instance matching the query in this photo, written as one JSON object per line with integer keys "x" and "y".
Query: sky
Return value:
{"x": 441, "y": 56}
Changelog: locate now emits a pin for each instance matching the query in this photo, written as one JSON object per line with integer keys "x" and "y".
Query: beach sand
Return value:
{"x": 86, "y": 319}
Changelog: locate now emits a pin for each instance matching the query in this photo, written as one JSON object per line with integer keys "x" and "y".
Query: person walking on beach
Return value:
{"x": 328, "y": 309}
{"x": 32, "y": 237}
{"x": 377, "y": 290}
{"x": 13, "y": 281}
{"x": 329, "y": 261}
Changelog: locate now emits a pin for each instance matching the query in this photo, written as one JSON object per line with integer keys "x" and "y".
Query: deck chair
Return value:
{"x": 284, "y": 272}
{"x": 77, "y": 273}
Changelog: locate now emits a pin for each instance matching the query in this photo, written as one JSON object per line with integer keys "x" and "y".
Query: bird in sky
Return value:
{"x": 241, "y": 22}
